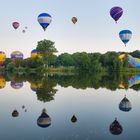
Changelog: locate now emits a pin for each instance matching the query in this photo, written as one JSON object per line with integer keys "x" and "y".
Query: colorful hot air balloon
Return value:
{"x": 44, "y": 20}
{"x": 125, "y": 36}
{"x": 2, "y": 82}
{"x": 74, "y": 20}
{"x": 15, "y": 25}
{"x": 2, "y": 58}
{"x": 34, "y": 53}
{"x": 16, "y": 55}
{"x": 116, "y": 13}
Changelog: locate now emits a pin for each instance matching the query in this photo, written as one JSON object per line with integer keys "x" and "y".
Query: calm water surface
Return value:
{"x": 95, "y": 110}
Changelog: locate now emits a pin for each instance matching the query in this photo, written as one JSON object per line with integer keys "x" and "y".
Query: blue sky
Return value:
{"x": 95, "y": 30}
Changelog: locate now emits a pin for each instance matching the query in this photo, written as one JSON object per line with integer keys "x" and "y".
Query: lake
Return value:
{"x": 70, "y": 107}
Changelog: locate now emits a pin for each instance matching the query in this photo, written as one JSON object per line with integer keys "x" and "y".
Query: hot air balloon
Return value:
{"x": 26, "y": 27}
{"x": 74, "y": 119}
{"x": 44, "y": 20}
{"x": 16, "y": 55}
{"x": 116, "y": 12}
{"x": 125, "y": 105}
{"x": 15, "y": 25}
{"x": 125, "y": 36}
{"x": 2, "y": 58}
{"x": 15, "y": 113}
{"x": 34, "y": 53}
{"x": 2, "y": 82}
{"x": 74, "y": 20}
{"x": 116, "y": 128}
{"x": 44, "y": 119}
{"x": 23, "y": 107}
{"x": 23, "y": 31}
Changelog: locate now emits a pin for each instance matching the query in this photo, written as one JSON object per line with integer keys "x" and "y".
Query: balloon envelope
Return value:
{"x": 16, "y": 54}
{"x": 74, "y": 20}
{"x": 2, "y": 58}
{"x": 116, "y": 12}
{"x": 125, "y": 36}
{"x": 15, "y": 25}
{"x": 44, "y": 20}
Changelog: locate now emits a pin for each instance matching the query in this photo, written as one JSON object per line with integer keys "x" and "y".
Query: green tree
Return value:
{"x": 47, "y": 49}
{"x": 65, "y": 59}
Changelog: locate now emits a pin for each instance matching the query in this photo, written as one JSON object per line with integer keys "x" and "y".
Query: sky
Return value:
{"x": 95, "y": 30}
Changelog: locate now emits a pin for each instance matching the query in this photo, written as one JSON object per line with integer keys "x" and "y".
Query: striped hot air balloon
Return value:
{"x": 125, "y": 36}
{"x": 44, "y": 20}
{"x": 116, "y": 12}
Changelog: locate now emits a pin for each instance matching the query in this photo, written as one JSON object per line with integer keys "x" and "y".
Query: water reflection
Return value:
{"x": 116, "y": 128}
{"x": 15, "y": 113}
{"x": 71, "y": 105}
{"x": 73, "y": 119}
{"x": 44, "y": 119}
{"x": 45, "y": 86}
{"x": 125, "y": 105}
{"x": 16, "y": 85}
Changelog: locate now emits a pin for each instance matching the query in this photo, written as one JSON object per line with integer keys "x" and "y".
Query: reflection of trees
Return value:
{"x": 90, "y": 81}
{"x": 47, "y": 90}
{"x": 45, "y": 85}
{"x": 136, "y": 87}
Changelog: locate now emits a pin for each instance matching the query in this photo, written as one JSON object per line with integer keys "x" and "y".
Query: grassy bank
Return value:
{"x": 61, "y": 70}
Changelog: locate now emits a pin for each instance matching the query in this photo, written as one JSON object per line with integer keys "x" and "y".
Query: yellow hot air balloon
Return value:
{"x": 74, "y": 20}
{"x": 2, "y": 58}
{"x": 2, "y": 81}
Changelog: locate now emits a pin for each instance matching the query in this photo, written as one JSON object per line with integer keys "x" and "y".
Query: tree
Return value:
{"x": 47, "y": 49}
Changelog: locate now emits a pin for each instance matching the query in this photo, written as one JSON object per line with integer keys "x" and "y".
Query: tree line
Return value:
{"x": 80, "y": 61}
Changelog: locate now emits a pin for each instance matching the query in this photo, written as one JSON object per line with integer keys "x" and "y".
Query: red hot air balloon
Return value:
{"x": 15, "y": 25}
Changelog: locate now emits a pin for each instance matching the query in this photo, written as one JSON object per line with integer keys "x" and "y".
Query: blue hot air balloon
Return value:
{"x": 116, "y": 12}
{"x": 125, "y": 36}
{"x": 44, "y": 20}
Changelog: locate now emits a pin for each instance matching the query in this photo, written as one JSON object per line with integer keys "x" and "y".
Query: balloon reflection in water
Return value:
{"x": 15, "y": 113}
{"x": 44, "y": 119}
{"x": 36, "y": 86}
{"x": 16, "y": 85}
{"x": 74, "y": 119}
{"x": 125, "y": 105}
{"x": 116, "y": 128}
